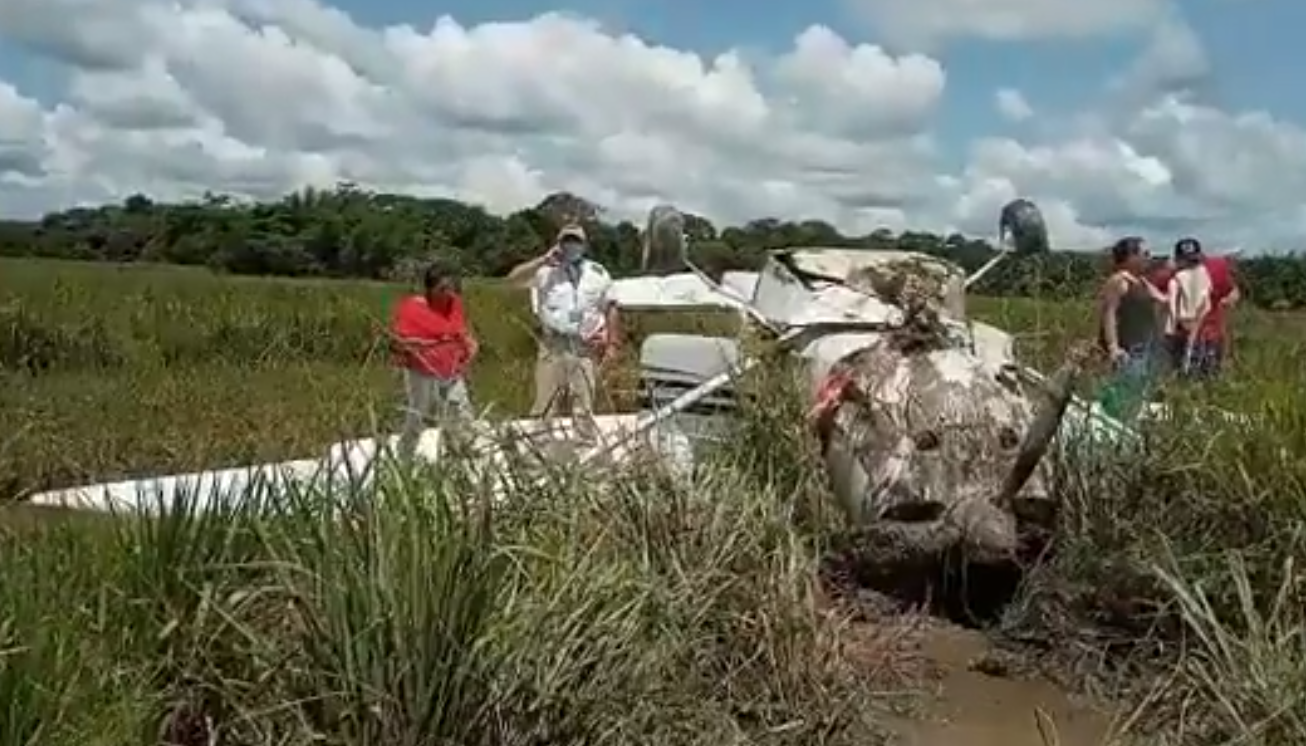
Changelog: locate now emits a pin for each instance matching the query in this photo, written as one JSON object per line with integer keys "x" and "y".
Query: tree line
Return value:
{"x": 350, "y": 232}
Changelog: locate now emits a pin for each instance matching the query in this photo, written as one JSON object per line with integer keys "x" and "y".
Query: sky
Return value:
{"x": 1117, "y": 117}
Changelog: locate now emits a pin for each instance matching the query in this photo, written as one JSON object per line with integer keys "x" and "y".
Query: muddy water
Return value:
{"x": 980, "y": 709}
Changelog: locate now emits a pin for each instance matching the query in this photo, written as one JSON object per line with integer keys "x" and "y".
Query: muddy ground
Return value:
{"x": 979, "y": 701}
{"x": 1017, "y": 677}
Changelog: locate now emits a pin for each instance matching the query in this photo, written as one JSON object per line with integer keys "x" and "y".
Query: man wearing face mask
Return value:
{"x": 578, "y": 322}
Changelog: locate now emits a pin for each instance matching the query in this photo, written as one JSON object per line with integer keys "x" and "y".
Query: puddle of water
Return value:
{"x": 978, "y": 709}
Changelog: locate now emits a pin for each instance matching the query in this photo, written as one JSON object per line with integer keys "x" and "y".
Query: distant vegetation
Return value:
{"x": 351, "y": 233}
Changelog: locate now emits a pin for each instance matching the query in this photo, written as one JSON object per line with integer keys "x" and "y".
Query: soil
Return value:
{"x": 983, "y": 698}
{"x": 980, "y": 704}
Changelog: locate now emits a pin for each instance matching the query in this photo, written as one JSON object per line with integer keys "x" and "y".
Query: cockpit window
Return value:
{"x": 927, "y": 440}
{"x": 1008, "y": 439}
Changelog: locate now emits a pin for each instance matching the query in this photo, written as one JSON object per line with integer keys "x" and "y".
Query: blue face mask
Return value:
{"x": 573, "y": 252}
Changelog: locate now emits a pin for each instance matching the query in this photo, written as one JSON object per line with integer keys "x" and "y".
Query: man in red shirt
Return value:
{"x": 1201, "y": 352}
{"x": 433, "y": 345}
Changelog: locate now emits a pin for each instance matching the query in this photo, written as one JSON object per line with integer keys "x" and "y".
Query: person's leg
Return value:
{"x": 455, "y": 412}
{"x": 581, "y": 382}
{"x": 1149, "y": 367}
{"x": 420, "y": 394}
{"x": 455, "y": 400}
{"x": 1132, "y": 383}
{"x": 1186, "y": 348}
{"x": 550, "y": 382}
{"x": 581, "y": 372}
{"x": 1210, "y": 358}
{"x": 1176, "y": 349}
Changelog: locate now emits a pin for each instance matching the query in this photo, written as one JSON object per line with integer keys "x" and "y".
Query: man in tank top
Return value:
{"x": 1129, "y": 324}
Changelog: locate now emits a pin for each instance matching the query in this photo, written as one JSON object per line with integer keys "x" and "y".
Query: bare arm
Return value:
{"x": 523, "y": 273}
{"x": 407, "y": 346}
{"x": 1158, "y": 295}
{"x": 612, "y": 318}
{"x": 1235, "y": 295}
{"x": 473, "y": 346}
{"x": 1170, "y": 309}
{"x": 1111, "y": 295}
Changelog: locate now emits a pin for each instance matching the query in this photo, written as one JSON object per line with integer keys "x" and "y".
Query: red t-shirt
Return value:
{"x": 1221, "y": 274}
{"x": 414, "y": 318}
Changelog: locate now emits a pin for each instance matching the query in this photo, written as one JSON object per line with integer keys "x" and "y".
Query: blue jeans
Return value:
{"x": 1130, "y": 385}
{"x": 1204, "y": 360}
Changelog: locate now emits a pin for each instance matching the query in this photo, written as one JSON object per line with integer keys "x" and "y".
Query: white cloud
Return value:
{"x": 22, "y": 124}
{"x": 1174, "y": 166}
{"x": 1012, "y": 105}
{"x": 258, "y": 97}
{"x": 868, "y": 91}
{"x": 1173, "y": 60}
{"x": 925, "y": 23}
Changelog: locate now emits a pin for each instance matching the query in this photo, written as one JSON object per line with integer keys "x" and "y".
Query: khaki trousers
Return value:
{"x": 563, "y": 377}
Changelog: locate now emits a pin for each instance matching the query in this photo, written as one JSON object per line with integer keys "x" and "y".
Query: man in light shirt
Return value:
{"x": 1201, "y": 291}
{"x": 578, "y": 322}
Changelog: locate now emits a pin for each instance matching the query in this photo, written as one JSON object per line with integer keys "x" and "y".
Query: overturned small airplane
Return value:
{"x": 932, "y": 435}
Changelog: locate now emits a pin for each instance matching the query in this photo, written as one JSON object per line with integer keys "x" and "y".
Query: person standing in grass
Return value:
{"x": 1129, "y": 326}
{"x": 579, "y": 325}
{"x": 433, "y": 345}
{"x": 1197, "y": 332}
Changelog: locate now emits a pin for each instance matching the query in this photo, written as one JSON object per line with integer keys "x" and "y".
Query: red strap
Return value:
{"x": 829, "y": 395}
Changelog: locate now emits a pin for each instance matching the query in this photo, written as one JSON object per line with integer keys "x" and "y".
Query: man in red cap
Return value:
{"x": 1198, "y": 347}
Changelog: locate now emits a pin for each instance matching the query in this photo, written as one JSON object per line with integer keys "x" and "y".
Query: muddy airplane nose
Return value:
{"x": 986, "y": 533}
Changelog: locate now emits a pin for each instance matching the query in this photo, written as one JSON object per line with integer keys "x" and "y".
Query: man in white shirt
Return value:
{"x": 578, "y": 322}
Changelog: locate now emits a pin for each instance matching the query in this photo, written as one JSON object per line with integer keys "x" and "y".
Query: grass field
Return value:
{"x": 589, "y": 617}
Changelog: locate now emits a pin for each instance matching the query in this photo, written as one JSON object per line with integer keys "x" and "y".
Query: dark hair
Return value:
{"x": 1125, "y": 248}
{"x": 438, "y": 273}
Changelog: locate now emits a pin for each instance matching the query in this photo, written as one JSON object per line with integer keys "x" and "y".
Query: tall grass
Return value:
{"x": 628, "y": 611}
{"x": 1171, "y": 588}
{"x": 633, "y": 610}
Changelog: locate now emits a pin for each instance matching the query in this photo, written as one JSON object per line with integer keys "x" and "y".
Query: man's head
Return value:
{"x": 572, "y": 243}
{"x": 1130, "y": 254}
{"x": 440, "y": 284}
{"x": 1187, "y": 252}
